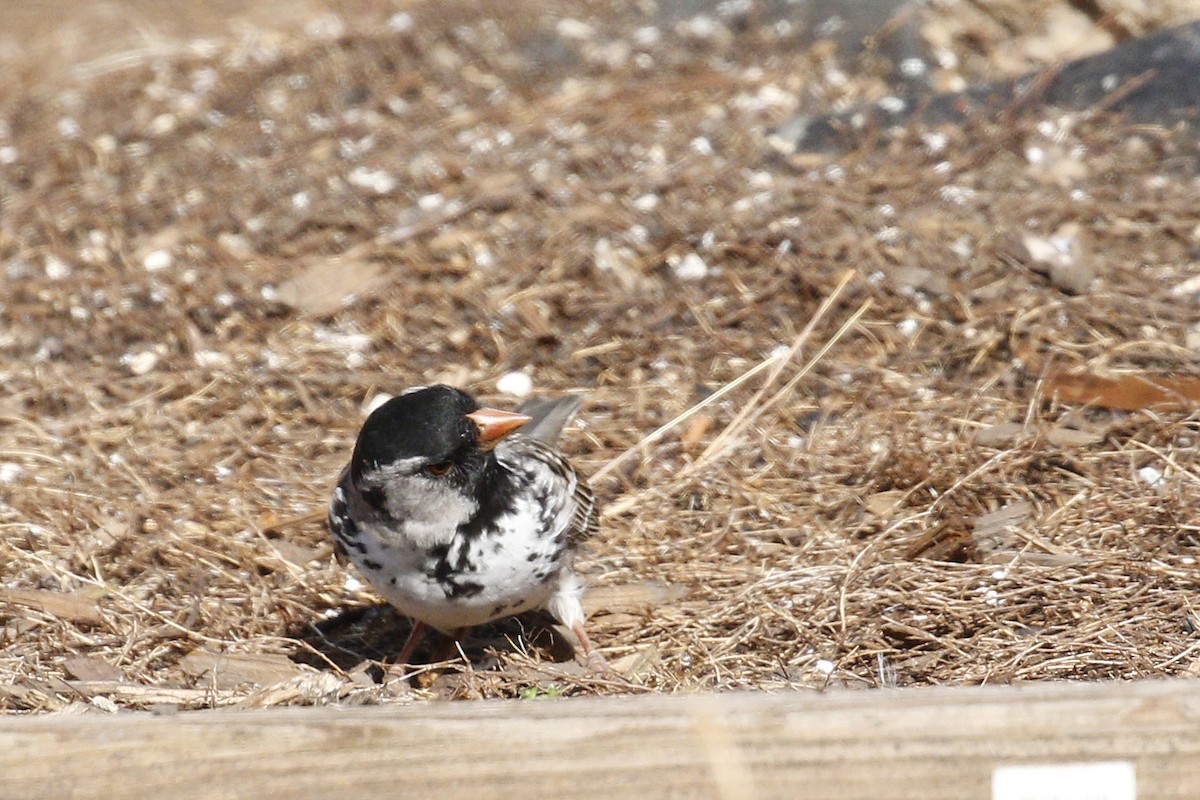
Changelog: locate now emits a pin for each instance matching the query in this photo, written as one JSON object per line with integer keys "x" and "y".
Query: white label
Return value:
{"x": 1099, "y": 780}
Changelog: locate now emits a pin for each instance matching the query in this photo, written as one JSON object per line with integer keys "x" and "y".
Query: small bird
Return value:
{"x": 456, "y": 520}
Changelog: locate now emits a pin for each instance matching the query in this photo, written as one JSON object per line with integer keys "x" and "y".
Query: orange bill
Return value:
{"x": 495, "y": 424}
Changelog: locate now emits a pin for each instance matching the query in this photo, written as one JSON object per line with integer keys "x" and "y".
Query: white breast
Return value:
{"x": 447, "y": 580}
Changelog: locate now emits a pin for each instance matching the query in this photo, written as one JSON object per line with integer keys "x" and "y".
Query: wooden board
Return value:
{"x": 926, "y": 743}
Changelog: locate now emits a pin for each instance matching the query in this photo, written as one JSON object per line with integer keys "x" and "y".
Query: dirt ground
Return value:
{"x": 942, "y": 387}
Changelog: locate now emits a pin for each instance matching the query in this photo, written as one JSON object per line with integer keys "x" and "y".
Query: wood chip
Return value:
{"x": 638, "y": 663}
{"x": 1069, "y": 437}
{"x": 697, "y": 430}
{"x": 328, "y": 283}
{"x": 70, "y": 606}
{"x": 1001, "y": 434}
{"x": 143, "y": 695}
{"x": 631, "y": 598}
{"x": 1130, "y": 391}
{"x": 883, "y": 503}
{"x": 1007, "y": 433}
{"x": 86, "y": 668}
{"x": 231, "y": 670}
{"x": 914, "y": 278}
{"x": 309, "y": 687}
{"x": 993, "y": 532}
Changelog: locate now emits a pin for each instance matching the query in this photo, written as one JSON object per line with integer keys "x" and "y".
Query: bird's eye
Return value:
{"x": 440, "y": 468}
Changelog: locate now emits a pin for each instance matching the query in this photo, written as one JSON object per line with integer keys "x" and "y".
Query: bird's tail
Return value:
{"x": 550, "y": 416}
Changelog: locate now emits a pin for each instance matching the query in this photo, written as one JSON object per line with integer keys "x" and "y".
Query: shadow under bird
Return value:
{"x": 459, "y": 515}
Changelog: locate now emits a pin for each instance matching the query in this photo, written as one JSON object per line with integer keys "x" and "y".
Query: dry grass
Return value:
{"x": 170, "y": 424}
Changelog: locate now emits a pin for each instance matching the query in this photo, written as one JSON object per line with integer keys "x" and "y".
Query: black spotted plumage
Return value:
{"x": 456, "y": 517}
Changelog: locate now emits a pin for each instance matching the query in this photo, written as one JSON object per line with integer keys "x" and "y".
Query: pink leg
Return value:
{"x": 595, "y": 660}
{"x": 410, "y": 644}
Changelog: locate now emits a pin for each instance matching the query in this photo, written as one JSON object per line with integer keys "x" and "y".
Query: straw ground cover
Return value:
{"x": 215, "y": 255}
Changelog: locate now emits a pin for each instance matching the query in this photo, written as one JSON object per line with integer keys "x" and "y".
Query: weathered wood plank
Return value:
{"x": 927, "y": 743}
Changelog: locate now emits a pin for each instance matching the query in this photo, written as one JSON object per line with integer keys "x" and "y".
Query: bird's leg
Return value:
{"x": 410, "y": 644}
{"x": 595, "y": 661}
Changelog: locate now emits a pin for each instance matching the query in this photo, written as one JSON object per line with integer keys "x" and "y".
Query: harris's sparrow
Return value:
{"x": 457, "y": 521}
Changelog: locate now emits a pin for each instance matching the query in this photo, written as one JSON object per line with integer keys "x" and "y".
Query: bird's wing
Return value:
{"x": 585, "y": 517}
{"x": 585, "y": 522}
{"x": 338, "y": 518}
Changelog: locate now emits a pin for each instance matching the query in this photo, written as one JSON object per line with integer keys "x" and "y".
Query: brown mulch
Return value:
{"x": 215, "y": 256}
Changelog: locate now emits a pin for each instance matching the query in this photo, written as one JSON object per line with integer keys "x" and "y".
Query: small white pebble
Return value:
{"x": 349, "y": 342}
{"x": 1188, "y": 287}
{"x": 353, "y": 584}
{"x": 1192, "y": 338}
{"x": 517, "y": 384}
{"x": 702, "y": 146}
{"x": 103, "y": 703}
{"x": 56, "y": 268}
{"x": 962, "y": 247}
{"x": 9, "y": 472}
{"x": 1000, "y": 574}
{"x": 376, "y": 180}
{"x": 140, "y": 363}
{"x": 935, "y": 142}
{"x": 400, "y": 22}
{"x": 430, "y": 202}
{"x": 574, "y": 29}
{"x": 69, "y": 128}
{"x": 211, "y": 358}
{"x": 691, "y": 268}
{"x": 646, "y": 203}
{"x": 157, "y": 260}
{"x": 889, "y": 234}
{"x": 375, "y": 402}
{"x": 163, "y": 124}
{"x": 326, "y": 26}
{"x": 908, "y": 327}
{"x": 913, "y": 67}
{"x": 647, "y": 36}
{"x": 825, "y": 666}
{"x": 761, "y": 179}
{"x": 701, "y": 26}
{"x": 959, "y": 195}
{"x": 1152, "y": 476}
{"x": 8, "y": 154}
